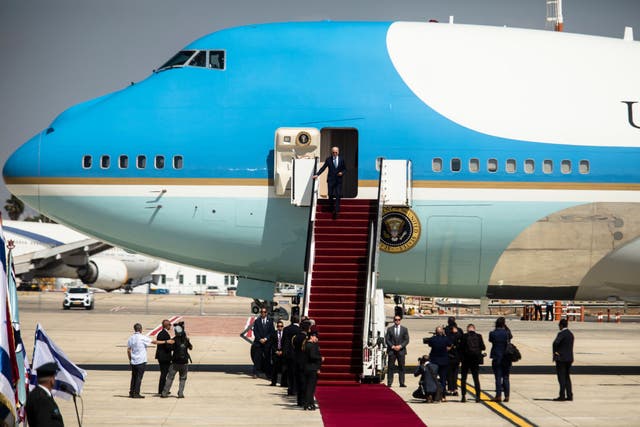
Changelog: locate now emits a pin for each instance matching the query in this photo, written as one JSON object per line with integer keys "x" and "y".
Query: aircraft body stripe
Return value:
{"x": 255, "y": 182}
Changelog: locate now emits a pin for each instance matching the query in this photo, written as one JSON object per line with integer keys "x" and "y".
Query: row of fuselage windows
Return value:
{"x": 159, "y": 162}
{"x": 510, "y": 166}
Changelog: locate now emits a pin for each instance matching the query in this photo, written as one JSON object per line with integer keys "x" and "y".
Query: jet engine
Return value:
{"x": 104, "y": 272}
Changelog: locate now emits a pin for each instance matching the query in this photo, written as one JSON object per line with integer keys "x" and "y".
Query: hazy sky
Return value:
{"x": 57, "y": 53}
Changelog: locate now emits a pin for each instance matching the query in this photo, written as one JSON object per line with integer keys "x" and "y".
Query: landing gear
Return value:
{"x": 276, "y": 313}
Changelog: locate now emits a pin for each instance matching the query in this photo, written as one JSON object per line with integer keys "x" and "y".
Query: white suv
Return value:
{"x": 78, "y": 297}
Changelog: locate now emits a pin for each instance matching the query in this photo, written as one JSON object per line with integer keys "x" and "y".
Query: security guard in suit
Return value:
{"x": 42, "y": 410}
{"x": 397, "y": 340}
{"x": 563, "y": 356}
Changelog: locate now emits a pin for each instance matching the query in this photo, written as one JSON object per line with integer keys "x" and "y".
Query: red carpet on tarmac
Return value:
{"x": 364, "y": 405}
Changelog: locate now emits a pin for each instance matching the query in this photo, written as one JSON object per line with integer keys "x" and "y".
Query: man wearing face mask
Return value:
{"x": 179, "y": 360}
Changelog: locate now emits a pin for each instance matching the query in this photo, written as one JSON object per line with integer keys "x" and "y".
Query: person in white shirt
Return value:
{"x": 537, "y": 310}
{"x": 137, "y": 353}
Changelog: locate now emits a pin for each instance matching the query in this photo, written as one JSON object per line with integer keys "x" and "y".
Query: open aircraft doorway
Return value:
{"x": 346, "y": 139}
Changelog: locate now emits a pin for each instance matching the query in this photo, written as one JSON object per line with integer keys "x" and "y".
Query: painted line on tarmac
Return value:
{"x": 497, "y": 407}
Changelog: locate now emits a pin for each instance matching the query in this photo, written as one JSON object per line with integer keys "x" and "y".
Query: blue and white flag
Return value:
{"x": 24, "y": 369}
{"x": 69, "y": 379}
{"x": 8, "y": 364}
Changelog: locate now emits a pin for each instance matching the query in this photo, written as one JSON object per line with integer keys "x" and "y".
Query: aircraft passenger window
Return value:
{"x": 474, "y": 165}
{"x": 86, "y": 162}
{"x": 436, "y": 164}
{"x": 159, "y": 163}
{"x": 565, "y": 166}
{"x": 216, "y": 59}
{"x": 105, "y": 162}
{"x": 547, "y": 166}
{"x": 492, "y": 165}
{"x": 511, "y": 166}
{"x": 200, "y": 60}
{"x": 123, "y": 162}
{"x": 141, "y": 162}
{"x": 177, "y": 162}
{"x": 455, "y": 165}
{"x": 529, "y": 166}
{"x": 181, "y": 279}
{"x": 584, "y": 166}
{"x": 178, "y": 60}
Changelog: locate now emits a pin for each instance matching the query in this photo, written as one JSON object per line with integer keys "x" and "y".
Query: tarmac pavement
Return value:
{"x": 221, "y": 392}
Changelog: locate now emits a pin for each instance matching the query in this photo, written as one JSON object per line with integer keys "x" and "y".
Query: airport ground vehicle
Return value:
{"x": 78, "y": 297}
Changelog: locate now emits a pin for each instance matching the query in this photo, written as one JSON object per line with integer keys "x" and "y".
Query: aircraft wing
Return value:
{"x": 76, "y": 254}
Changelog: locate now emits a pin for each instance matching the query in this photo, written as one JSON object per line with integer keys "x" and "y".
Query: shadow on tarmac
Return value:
{"x": 485, "y": 369}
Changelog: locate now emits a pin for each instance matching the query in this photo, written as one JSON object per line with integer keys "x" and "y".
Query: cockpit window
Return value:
{"x": 216, "y": 59}
{"x": 213, "y": 59}
{"x": 200, "y": 60}
{"x": 178, "y": 60}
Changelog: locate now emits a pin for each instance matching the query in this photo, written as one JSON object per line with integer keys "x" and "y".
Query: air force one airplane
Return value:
{"x": 53, "y": 250}
{"x": 521, "y": 154}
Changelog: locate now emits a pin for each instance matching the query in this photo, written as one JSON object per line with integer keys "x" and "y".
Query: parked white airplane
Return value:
{"x": 53, "y": 250}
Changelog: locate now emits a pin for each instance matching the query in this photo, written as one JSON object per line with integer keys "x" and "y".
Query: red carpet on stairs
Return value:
{"x": 338, "y": 287}
{"x": 364, "y": 405}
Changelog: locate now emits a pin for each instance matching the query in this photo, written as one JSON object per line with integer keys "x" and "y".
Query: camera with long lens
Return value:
{"x": 425, "y": 340}
{"x": 178, "y": 328}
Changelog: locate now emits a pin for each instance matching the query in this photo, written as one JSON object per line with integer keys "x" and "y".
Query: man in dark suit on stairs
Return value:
{"x": 397, "y": 340}
{"x": 337, "y": 168}
{"x": 563, "y": 356}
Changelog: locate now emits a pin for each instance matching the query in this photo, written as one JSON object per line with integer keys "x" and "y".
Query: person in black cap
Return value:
{"x": 41, "y": 409}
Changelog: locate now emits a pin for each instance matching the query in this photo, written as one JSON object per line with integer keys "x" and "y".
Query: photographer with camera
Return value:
{"x": 440, "y": 345}
{"x": 472, "y": 352}
{"x": 429, "y": 387}
{"x": 455, "y": 335}
{"x": 179, "y": 360}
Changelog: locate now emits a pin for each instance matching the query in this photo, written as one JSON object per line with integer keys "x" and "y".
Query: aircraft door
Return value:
{"x": 346, "y": 139}
{"x": 291, "y": 144}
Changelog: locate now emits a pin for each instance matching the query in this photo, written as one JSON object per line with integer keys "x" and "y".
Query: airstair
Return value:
{"x": 341, "y": 270}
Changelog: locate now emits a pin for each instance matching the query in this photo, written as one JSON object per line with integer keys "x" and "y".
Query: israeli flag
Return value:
{"x": 8, "y": 362}
{"x": 69, "y": 379}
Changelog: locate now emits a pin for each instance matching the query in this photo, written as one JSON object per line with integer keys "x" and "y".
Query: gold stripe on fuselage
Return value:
{"x": 261, "y": 182}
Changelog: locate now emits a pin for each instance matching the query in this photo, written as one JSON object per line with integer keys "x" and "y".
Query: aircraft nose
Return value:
{"x": 22, "y": 169}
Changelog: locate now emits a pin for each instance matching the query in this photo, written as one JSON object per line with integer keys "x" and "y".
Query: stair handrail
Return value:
{"x": 372, "y": 266}
{"x": 311, "y": 243}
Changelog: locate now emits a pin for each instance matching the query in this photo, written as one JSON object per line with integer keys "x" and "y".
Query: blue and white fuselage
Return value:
{"x": 524, "y": 146}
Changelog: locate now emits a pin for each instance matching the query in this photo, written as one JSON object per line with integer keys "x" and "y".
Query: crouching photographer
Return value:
{"x": 429, "y": 387}
{"x": 179, "y": 360}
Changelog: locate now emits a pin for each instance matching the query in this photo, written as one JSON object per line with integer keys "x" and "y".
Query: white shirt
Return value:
{"x": 138, "y": 344}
